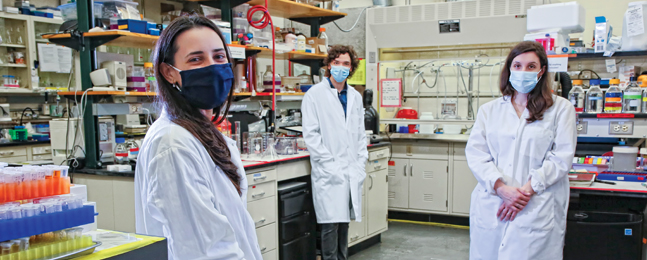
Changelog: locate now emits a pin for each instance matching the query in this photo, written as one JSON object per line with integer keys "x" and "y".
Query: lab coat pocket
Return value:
{"x": 536, "y": 143}
{"x": 539, "y": 214}
{"x": 331, "y": 173}
{"x": 484, "y": 208}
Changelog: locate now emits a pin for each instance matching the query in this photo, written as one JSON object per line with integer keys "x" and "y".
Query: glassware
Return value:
{"x": 613, "y": 97}
{"x": 631, "y": 100}
{"x": 576, "y": 96}
{"x": 140, "y": 55}
{"x": 9, "y": 35}
{"x": 643, "y": 86}
{"x": 267, "y": 79}
{"x": 323, "y": 35}
{"x": 594, "y": 98}
{"x": 121, "y": 151}
{"x": 19, "y": 36}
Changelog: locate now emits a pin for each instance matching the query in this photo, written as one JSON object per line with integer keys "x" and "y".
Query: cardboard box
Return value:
{"x": 625, "y": 72}
{"x": 318, "y": 44}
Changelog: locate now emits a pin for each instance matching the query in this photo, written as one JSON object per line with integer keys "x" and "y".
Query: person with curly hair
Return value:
{"x": 333, "y": 129}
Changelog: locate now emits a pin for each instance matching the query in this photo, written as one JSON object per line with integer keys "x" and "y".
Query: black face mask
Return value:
{"x": 207, "y": 87}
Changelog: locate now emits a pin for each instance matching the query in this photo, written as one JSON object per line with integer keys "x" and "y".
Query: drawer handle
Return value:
{"x": 258, "y": 195}
{"x": 371, "y": 177}
{"x": 263, "y": 249}
{"x": 260, "y": 178}
{"x": 260, "y": 221}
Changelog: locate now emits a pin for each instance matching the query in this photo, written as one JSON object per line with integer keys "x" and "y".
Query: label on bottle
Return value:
{"x": 633, "y": 95}
{"x": 644, "y": 99}
{"x": 612, "y": 108}
{"x": 613, "y": 99}
{"x": 57, "y": 173}
{"x": 634, "y": 103}
{"x": 595, "y": 98}
{"x": 121, "y": 154}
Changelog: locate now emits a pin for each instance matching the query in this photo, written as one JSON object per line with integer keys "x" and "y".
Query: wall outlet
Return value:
{"x": 582, "y": 127}
{"x": 135, "y": 108}
{"x": 621, "y": 128}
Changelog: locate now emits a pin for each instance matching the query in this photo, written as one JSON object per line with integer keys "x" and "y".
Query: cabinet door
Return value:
{"x": 356, "y": 231}
{"x": 377, "y": 201}
{"x": 399, "y": 184}
{"x": 463, "y": 185}
{"x": 428, "y": 185}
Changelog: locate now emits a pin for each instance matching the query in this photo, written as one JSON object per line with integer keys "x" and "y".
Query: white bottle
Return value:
{"x": 291, "y": 40}
{"x": 301, "y": 43}
{"x": 323, "y": 35}
{"x": 427, "y": 128}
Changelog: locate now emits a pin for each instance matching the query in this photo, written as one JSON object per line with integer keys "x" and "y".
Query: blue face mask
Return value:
{"x": 207, "y": 87}
{"x": 339, "y": 73}
{"x": 524, "y": 81}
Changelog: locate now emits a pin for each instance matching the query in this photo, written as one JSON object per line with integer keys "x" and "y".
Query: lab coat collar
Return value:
{"x": 349, "y": 101}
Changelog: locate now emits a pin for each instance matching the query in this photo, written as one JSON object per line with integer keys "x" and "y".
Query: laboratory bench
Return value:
{"x": 114, "y": 194}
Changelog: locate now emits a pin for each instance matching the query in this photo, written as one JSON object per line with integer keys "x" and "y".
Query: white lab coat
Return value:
{"x": 182, "y": 195}
{"x": 503, "y": 146}
{"x": 338, "y": 152}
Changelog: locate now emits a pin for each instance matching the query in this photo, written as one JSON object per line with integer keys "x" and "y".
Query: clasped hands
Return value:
{"x": 514, "y": 199}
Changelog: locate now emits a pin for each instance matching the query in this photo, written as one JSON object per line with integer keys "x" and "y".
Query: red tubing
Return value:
{"x": 265, "y": 20}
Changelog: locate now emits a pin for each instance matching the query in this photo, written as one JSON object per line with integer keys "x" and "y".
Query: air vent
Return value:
{"x": 392, "y": 172}
{"x": 391, "y": 195}
{"x": 527, "y": 4}
{"x": 514, "y": 7}
{"x": 428, "y": 174}
{"x": 499, "y": 7}
{"x": 430, "y": 12}
{"x": 378, "y": 16}
{"x": 428, "y": 197}
{"x": 443, "y": 11}
{"x": 416, "y": 14}
{"x": 470, "y": 9}
{"x": 457, "y": 10}
{"x": 485, "y": 8}
{"x": 391, "y": 15}
{"x": 403, "y": 13}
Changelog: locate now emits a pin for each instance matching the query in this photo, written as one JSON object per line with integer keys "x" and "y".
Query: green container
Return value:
{"x": 18, "y": 134}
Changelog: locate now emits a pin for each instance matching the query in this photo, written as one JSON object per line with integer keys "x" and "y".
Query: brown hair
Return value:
{"x": 180, "y": 111}
{"x": 334, "y": 53}
{"x": 540, "y": 98}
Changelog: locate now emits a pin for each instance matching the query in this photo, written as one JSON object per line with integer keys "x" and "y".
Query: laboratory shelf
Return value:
{"x": 12, "y": 45}
{"x": 14, "y": 65}
{"x": 267, "y": 94}
{"x": 218, "y": 3}
{"x": 299, "y": 12}
{"x": 582, "y": 56}
{"x": 106, "y": 93}
{"x": 29, "y": 226}
{"x": 611, "y": 116}
{"x": 113, "y": 38}
{"x": 293, "y": 55}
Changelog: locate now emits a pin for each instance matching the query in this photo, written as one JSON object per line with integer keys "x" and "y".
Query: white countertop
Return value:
{"x": 434, "y": 137}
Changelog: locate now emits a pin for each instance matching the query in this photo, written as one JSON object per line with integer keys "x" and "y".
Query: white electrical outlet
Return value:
{"x": 621, "y": 128}
{"x": 135, "y": 108}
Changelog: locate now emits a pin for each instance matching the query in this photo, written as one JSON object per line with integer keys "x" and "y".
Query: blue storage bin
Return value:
{"x": 131, "y": 25}
{"x": 29, "y": 226}
{"x": 155, "y": 32}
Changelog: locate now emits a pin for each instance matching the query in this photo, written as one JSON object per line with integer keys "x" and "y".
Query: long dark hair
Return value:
{"x": 180, "y": 111}
{"x": 540, "y": 98}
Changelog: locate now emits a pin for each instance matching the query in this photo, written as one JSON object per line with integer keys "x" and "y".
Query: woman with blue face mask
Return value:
{"x": 190, "y": 183}
{"x": 520, "y": 150}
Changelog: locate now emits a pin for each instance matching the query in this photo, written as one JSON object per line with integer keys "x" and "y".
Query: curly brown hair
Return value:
{"x": 335, "y": 51}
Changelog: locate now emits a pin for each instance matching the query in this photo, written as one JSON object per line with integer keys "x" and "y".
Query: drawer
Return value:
{"x": 41, "y": 157}
{"x": 376, "y": 165}
{"x": 301, "y": 248}
{"x": 260, "y": 177}
{"x": 271, "y": 255}
{"x": 379, "y": 154}
{"x": 41, "y": 150}
{"x": 295, "y": 227}
{"x": 260, "y": 191}
{"x": 15, "y": 159}
{"x": 421, "y": 150}
{"x": 267, "y": 238}
{"x": 295, "y": 203}
{"x": 11, "y": 152}
{"x": 263, "y": 211}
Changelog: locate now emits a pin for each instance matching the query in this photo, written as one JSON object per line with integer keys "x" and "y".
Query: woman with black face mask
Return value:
{"x": 190, "y": 183}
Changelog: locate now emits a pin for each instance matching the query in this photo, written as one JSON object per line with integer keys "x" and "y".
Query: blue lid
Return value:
{"x": 20, "y": 127}
{"x": 594, "y": 82}
{"x": 120, "y": 140}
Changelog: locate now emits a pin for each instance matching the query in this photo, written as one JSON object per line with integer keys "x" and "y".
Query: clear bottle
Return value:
{"x": 594, "y": 98}
{"x": 278, "y": 37}
{"x": 576, "y": 96}
{"x": 613, "y": 97}
{"x": 151, "y": 82}
{"x": 267, "y": 79}
{"x": 632, "y": 98}
{"x": 133, "y": 150}
{"x": 323, "y": 35}
{"x": 305, "y": 78}
{"x": 121, "y": 151}
{"x": 19, "y": 36}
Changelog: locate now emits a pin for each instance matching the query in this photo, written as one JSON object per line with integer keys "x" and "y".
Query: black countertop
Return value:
{"x": 16, "y": 143}
{"x": 105, "y": 172}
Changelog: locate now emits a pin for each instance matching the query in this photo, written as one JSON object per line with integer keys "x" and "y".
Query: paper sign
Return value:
{"x": 64, "y": 59}
{"x": 359, "y": 77}
{"x": 635, "y": 23}
{"x": 557, "y": 63}
{"x": 48, "y": 57}
{"x": 237, "y": 52}
{"x": 611, "y": 65}
{"x": 391, "y": 93}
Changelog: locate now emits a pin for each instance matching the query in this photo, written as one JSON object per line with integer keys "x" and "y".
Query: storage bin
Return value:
{"x": 136, "y": 26}
{"x": 624, "y": 158}
{"x": 68, "y": 11}
{"x": 120, "y": 10}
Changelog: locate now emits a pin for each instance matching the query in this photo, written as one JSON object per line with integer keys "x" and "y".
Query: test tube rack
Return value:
{"x": 29, "y": 226}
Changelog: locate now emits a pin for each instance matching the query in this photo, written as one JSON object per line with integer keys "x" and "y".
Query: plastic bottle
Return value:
{"x": 594, "y": 98}
{"x": 632, "y": 98}
{"x": 151, "y": 82}
{"x": 278, "y": 37}
{"x": 613, "y": 97}
{"x": 323, "y": 35}
{"x": 26, "y": 183}
{"x": 121, "y": 152}
{"x": 291, "y": 40}
{"x": 267, "y": 79}
{"x": 576, "y": 96}
{"x": 301, "y": 43}
{"x": 643, "y": 86}
{"x": 49, "y": 181}
{"x": 133, "y": 150}
{"x": 2, "y": 188}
